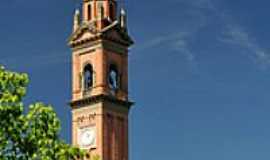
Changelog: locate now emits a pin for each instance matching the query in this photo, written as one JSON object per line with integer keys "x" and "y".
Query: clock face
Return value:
{"x": 87, "y": 137}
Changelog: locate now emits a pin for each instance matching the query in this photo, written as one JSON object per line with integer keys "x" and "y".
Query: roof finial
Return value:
{"x": 123, "y": 19}
{"x": 77, "y": 20}
{"x": 123, "y": 11}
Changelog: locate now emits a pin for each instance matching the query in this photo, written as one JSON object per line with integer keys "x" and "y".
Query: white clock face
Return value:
{"x": 87, "y": 137}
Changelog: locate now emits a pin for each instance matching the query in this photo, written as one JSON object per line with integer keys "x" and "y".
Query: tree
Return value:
{"x": 28, "y": 136}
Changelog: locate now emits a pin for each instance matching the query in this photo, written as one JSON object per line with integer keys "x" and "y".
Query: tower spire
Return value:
{"x": 103, "y": 12}
{"x": 100, "y": 94}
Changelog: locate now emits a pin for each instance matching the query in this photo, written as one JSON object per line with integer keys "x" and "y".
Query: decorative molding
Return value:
{"x": 108, "y": 33}
{"x": 89, "y": 118}
{"x": 91, "y": 47}
{"x": 87, "y": 47}
{"x": 115, "y": 47}
{"x": 100, "y": 98}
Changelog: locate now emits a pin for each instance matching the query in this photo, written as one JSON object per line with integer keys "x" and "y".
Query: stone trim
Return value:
{"x": 106, "y": 44}
{"x": 115, "y": 47}
{"x": 126, "y": 40}
{"x": 73, "y": 44}
{"x": 100, "y": 98}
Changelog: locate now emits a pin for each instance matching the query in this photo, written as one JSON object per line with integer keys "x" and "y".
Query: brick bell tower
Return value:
{"x": 100, "y": 103}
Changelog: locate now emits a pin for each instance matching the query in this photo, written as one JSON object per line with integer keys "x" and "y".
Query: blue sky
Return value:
{"x": 199, "y": 72}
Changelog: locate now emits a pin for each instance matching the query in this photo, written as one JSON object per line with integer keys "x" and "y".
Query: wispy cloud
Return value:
{"x": 236, "y": 35}
{"x": 177, "y": 42}
{"x": 182, "y": 46}
{"x": 37, "y": 61}
{"x": 231, "y": 32}
{"x": 162, "y": 39}
{"x": 180, "y": 40}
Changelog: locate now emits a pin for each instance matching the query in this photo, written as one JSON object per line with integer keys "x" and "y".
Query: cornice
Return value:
{"x": 105, "y": 44}
{"x": 100, "y": 98}
{"x": 100, "y": 35}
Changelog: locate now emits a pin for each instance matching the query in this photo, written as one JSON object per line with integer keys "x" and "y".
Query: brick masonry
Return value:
{"x": 89, "y": 46}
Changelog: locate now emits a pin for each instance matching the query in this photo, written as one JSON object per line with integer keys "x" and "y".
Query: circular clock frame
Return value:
{"x": 87, "y": 137}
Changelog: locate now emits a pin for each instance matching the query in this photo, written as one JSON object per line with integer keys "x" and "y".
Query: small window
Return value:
{"x": 112, "y": 14}
{"x": 113, "y": 77}
{"x": 88, "y": 77}
{"x": 89, "y": 12}
{"x": 101, "y": 10}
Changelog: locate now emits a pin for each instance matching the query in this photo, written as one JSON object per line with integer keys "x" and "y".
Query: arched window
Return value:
{"x": 100, "y": 11}
{"x": 112, "y": 11}
{"x": 113, "y": 77}
{"x": 89, "y": 12}
{"x": 88, "y": 77}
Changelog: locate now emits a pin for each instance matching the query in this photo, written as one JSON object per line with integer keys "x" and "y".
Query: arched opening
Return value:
{"x": 89, "y": 12}
{"x": 113, "y": 77}
{"x": 100, "y": 11}
{"x": 112, "y": 11}
{"x": 88, "y": 77}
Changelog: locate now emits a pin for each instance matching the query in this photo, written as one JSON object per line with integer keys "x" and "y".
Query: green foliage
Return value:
{"x": 31, "y": 136}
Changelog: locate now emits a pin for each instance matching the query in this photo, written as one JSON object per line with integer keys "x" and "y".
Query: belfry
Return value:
{"x": 100, "y": 102}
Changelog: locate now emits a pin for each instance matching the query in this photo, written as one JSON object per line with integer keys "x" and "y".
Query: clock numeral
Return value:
{"x": 90, "y": 117}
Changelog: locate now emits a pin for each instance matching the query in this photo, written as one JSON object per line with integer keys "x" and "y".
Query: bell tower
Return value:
{"x": 100, "y": 103}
